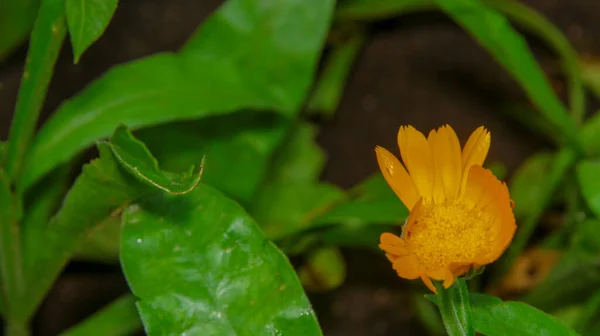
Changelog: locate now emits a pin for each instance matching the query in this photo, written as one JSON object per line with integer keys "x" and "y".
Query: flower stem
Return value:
{"x": 455, "y": 308}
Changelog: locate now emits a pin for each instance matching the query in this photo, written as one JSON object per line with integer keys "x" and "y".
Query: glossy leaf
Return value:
{"x": 494, "y": 317}
{"x": 248, "y": 55}
{"x": 44, "y": 46}
{"x": 324, "y": 270}
{"x": 87, "y": 20}
{"x": 98, "y": 192}
{"x": 120, "y": 317}
{"x": 587, "y": 175}
{"x": 332, "y": 81}
{"x": 455, "y": 308}
{"x": 135, "y": 157}
{"x": 237, "y": 148}
{"x": 224, "y": 276}
{"x": 527, "y": 185}
{"x": 16, "y": 21}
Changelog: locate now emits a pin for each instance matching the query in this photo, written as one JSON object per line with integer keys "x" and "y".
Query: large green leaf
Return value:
{"x": 16, "y": 21}
{"x": 587, "y": 175}
{"x": 250, "y": 54}
{"x": 494, "y": 317}
{"x": 527, "y": 185}
{"x": 201, "y": 266}
{"x": 87, "y": 20}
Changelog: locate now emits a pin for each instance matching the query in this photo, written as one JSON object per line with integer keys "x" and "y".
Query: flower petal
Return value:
{"x": 407, "y": 267}
{"x": 393, "y": 244}
{"x": 486, "y": 193}
{"x": 428, "y": 283}
{"x": 445, "y": 150}
{"x": 417, "y": 158}
{"x": 442, "y": 274}
{"x": 475, "y": 150}
{"x": 397, "y": 177}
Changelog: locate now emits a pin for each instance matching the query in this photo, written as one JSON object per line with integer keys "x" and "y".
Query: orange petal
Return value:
{"x": 412, "y": 218}
{"x": 481, "y": 188}
{"x": 475, "y": 150}
{"x": 393, "y": 244}
{"x": 428, "y": 283}
{"x": 485, "y": 192}
{"x": 417, "y": 158}
{"x": 445, "y": 150}
{"x": 442, "y": 274}
{"x": 397, "y": 177}
{"x": 407, "y": 267}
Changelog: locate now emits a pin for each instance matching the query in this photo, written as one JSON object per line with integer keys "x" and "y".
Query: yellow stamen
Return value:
{"x": 449, "y": 232}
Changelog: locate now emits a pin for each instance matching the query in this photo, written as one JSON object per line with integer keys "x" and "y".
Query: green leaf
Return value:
{"x": 224, "y": 276}
{"x": 527, "y": 185}
{"x": 493, "y": 317}
{"x": 98, "y": 192}
{"x": 237, "y": 147}
{"x": 510, "y": 49}
{"x": 248, "y": 55}
{"x": 292, "y": 196}
{"x": 324, "y": 270}
{"x": 16, "y": 21}
{"x": 455, "y": 308}
{"x": 587, "y": 175}
{"x": 135, "y": 157}
{"x": 44, "y": 46}
{"x": 87, "y": 20}
{"x": 330, "y": 85}
{"x": 118, "y": 318}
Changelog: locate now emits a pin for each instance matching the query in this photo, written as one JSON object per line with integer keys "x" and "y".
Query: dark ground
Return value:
{"x": 418, "y": 69}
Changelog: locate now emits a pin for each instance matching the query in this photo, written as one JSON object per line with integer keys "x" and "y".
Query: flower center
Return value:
{"x": 449, "y": 233}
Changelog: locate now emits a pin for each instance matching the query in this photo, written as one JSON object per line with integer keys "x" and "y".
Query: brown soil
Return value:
{"x": 418, "y": 69}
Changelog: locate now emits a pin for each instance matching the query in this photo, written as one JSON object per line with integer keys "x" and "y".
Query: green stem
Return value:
{"x": 11, "y": 267}
{"x": 455, "y": 308}
{"x": 46, "y": 41}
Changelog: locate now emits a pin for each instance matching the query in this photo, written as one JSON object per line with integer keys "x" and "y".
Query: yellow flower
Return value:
{"x": 460, "y": 213}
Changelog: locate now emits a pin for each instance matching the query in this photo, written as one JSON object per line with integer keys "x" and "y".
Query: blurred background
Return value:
{"x": 419, "y": 69}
